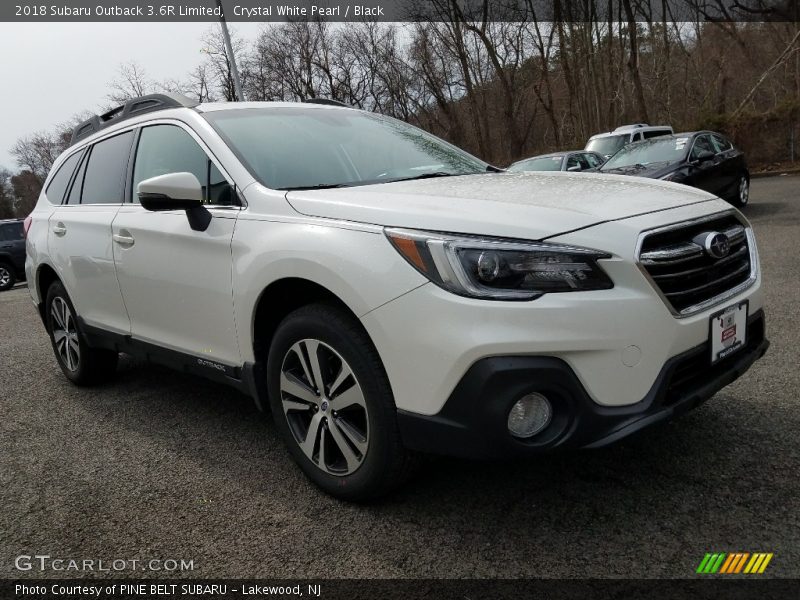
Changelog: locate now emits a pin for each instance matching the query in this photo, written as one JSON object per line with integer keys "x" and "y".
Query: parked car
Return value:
{"x": 609, "y": 143}
{"x": 12, "y": 253}
{"x": 701, "y": 159}
{"x": 575, "y": 160}
{"x": 384, "y": 292}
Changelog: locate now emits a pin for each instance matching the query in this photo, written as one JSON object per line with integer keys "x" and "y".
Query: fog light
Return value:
{"x": 529, "y": 415}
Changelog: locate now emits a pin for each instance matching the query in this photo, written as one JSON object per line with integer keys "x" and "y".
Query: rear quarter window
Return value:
{"x": 58, "y": 184}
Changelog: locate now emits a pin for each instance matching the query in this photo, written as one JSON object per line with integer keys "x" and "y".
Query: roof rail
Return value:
{"x": 326, "y": 101}
{"x": 132, "y": 108}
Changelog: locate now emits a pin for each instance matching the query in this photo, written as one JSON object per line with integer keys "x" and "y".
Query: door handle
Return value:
{"x": 123, "y": 240}
{"x": 59, "y": 229}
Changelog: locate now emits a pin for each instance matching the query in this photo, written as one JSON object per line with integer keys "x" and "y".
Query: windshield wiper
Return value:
{"x": 319, "y": 186}
{"x": 427, "y": 176}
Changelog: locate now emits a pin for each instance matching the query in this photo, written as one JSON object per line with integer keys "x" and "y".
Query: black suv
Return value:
{"x": 12, "y": 253}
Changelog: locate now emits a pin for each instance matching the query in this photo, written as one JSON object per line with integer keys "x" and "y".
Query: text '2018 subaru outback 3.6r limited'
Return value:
{"x": 382, "y": 291}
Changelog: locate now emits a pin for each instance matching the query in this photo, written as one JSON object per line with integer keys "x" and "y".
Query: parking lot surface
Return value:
{"x": 160, "y": 465}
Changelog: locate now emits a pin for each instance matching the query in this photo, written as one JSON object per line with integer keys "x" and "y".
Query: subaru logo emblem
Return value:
{"x": 717, "y": 245}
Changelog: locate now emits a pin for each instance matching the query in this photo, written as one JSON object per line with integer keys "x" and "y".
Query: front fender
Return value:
{"x": 360, "y": 267}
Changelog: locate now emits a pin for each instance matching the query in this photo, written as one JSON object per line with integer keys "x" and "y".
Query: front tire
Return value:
{"x": 333, "y": 406}
{"x": 7, "y": 278}
{"x": 742, "y": 196}
{"x": 81, "y": 364}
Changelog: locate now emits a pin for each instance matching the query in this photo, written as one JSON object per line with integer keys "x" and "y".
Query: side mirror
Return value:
{"x": 704, "y": 156}
{"x": 575, "y": 168}
{"x": 176, "y": 191}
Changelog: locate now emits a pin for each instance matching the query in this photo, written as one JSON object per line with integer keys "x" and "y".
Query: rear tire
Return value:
{"x": 7, "y": 277}
{"x": 326, "y": 380}
{"x": 81, "y": 364}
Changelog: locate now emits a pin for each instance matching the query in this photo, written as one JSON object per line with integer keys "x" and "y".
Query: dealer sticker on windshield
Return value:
{"x": 728, "y": 331}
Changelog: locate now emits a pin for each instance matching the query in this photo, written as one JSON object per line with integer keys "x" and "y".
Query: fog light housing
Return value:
{"x": 529, "y": 415}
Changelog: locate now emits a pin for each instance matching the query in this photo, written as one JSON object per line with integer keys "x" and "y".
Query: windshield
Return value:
{"x": 607, "y": 145}
{"x": 300, "y": 148}
{"x": 545, "y": 163}
{"x": 656, "y": 150}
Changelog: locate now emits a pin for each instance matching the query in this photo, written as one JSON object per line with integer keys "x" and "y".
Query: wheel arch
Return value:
{"x": 280, "y": 298}
{"x": 45, "y": 276}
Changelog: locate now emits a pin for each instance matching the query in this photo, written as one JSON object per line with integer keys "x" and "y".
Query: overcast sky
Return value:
{"x": 52, "y": 71}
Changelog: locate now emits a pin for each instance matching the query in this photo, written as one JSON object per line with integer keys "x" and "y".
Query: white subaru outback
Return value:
{"x": 384, "y": 292}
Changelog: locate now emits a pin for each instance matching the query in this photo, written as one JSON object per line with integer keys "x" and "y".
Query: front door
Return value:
{"x": 704, "y": 175}
{"x": 177, "y": 281}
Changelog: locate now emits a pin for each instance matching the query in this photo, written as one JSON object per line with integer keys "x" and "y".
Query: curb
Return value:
{"x": 792, "y": 171}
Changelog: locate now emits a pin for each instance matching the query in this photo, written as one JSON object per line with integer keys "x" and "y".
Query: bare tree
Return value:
{"x": 6, "y": 195}
{"x": 132, "y": 81}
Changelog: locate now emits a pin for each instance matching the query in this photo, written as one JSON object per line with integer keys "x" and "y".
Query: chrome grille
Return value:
{"x": 683, "y": 270}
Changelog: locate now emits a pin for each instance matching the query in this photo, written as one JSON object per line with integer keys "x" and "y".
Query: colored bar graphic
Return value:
{"x": 733, "y": 562}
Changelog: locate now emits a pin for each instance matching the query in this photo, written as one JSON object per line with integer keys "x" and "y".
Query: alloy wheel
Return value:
{"x": 744, "y": 191}
{"x": 65, "y": 334}
{"x": 324, "y": 405}
{"x": 5, "y": 277}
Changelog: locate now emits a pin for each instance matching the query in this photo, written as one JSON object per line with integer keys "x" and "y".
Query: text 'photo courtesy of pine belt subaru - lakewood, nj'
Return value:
{"x": 384, "y": 293}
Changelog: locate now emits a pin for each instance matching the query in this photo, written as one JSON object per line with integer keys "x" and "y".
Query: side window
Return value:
{"x": 572, "y": 161}
{"x": 592, "y": 159}
{"x": 655, "y": 133}
{"x": 58, "y": 184}
{"x": 169, "y": 149}
{"x": 74, "y": 196}
{"x": 104, "y": 180}
{"x": 220, "y": 191}
{"x": 721, "y": 143}
{"x": 702, "y": 144}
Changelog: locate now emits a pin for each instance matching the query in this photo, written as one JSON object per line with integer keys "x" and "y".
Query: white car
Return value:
{"x": 609, "y": 143}
{"x": 384, "y": 292}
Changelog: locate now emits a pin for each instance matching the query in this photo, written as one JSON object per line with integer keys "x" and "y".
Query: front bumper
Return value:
{"x": 472, "y": 422}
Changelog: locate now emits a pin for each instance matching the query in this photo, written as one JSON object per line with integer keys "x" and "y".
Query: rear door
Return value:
{"x": 177, "y": 281}
{"x": 79, "y": 236}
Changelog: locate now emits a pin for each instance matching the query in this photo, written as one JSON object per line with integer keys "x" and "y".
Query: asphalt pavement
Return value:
{"x": 158, "y": 465}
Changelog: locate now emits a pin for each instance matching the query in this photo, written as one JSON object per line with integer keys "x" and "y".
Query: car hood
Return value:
{"x": 650, "y": 172}
{"x": 519, "y": 205}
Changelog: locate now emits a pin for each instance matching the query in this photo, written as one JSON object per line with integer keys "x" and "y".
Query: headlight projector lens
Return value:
{"x": 488, "y": 266}
{"x": 529, "y": 415}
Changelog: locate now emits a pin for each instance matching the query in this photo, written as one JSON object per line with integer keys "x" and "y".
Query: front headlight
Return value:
{"x": 500, "y": 269}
